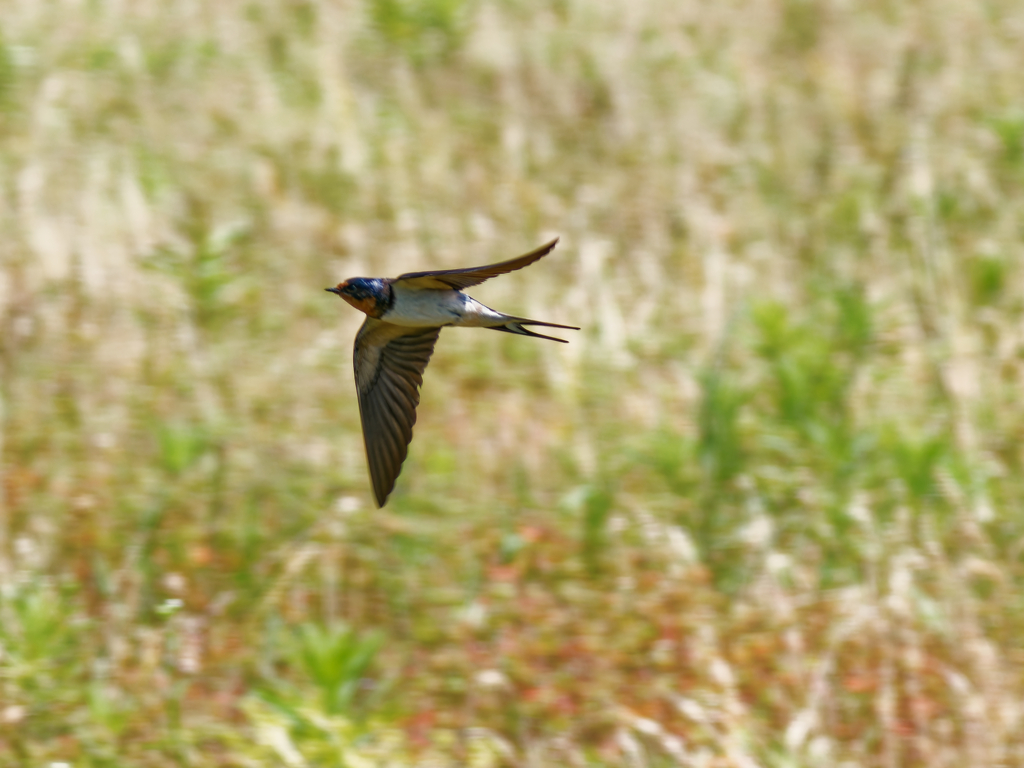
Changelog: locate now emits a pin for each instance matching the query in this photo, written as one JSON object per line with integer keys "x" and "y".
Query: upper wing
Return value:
{"x": 389, "y": 362}
{"x": 464, "y": 278}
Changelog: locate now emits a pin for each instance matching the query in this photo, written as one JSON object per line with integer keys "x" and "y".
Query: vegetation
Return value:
{"x": 764, "y": 510}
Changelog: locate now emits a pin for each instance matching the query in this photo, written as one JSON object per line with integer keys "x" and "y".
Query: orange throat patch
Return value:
{"x": 367, "y": 305}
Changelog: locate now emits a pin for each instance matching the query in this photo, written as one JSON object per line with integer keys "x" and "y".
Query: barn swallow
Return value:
{"x": 404, "y": 316}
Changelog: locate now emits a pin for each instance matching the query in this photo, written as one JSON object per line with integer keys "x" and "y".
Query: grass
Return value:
{"x": 763, "y": 510}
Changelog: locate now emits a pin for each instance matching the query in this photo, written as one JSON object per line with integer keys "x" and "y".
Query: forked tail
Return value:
{"x": 515, "y": 325}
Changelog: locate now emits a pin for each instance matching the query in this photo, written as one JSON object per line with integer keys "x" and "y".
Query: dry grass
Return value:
{"x": 764, "y": 510}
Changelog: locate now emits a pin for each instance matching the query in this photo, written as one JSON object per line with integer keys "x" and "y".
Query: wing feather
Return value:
{"x": 389, "y": 364}
{"x": 446, "y": 279}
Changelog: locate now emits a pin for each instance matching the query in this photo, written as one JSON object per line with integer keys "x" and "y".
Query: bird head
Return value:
{"x": 367, "y": 294}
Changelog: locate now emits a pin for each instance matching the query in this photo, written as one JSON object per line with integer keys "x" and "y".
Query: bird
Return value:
{"x": 404, "y": 317}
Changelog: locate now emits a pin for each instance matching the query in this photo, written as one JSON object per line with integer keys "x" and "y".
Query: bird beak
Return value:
{"x": 337, "y": 289}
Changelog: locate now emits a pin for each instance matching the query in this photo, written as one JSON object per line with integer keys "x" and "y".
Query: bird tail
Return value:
{"x": 515, "y": 325}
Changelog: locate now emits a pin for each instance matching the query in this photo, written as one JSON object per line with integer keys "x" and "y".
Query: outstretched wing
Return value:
{"x": 389, "y": 363}
{"x": 446, "y": 279}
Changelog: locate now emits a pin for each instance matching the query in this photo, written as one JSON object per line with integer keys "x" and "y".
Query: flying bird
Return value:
{"x": 404, "y": 317}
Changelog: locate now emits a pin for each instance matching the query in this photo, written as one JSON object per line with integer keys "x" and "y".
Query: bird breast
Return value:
{"x": 425, "y": 308}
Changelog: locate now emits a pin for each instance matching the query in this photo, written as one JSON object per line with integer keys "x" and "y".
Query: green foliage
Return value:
{"x": 332, "y": 727}
{"x": 43, "y": 653}
{"x": 916, "y": 462}
{"x": 34, "y": 632}
{"x": 8, "y": 77}
{"x": 671, "y": 456}
{"x": 1009, "y": 128}
{"x": 109, "y": 711}
{"x": 800, "y": 25}
{"x": 423, "y": 30}
{"x": 987, "y": 279}
{"x": 336, "y": 659}
{"x": 201, "y": 267}
{"x": 719, "y": 443}
{"x": 181, "y": 445}
{"x": 593, "y": 504}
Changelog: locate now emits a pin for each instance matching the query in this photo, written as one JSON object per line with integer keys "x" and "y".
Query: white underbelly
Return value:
{"x": 430, "y": 308}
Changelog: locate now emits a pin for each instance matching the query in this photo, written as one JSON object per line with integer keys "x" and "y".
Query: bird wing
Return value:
{"x": 389, "y": 363}
{"x": 446, "y": 279}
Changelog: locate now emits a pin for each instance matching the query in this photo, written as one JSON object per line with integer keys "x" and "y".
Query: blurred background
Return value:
{"x": 765, "y": 509}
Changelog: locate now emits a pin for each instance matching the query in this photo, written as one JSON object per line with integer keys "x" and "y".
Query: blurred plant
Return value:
{"x": 811, "y": 377}
{"x": 1009, "y": 128}
{"x": 33, "y": 630}
{"x": 593, "y": 503}
{"x": 987, "y": 276}
{"x": 916, "y": 461}
{"x": 41, "y": 655}
{"x": 671, "y": 456}
{"x": 201, "y": 266}
{"x": 181, "y": 445}
{"x": 8, "y": 78}
{"x": 336, "y": 659}
{"x": 812, "y": 366}
{"x": 809, "y": 429}
{"x": 800, "y": 27}
{"x": 308, "y": 737}
{"x": 719, "y": 445}
{"x": 703, "y": 469}
{"x": 109, "y": 710}
{"x": 336, "y": 724}
{"x": 424, "y": 30}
